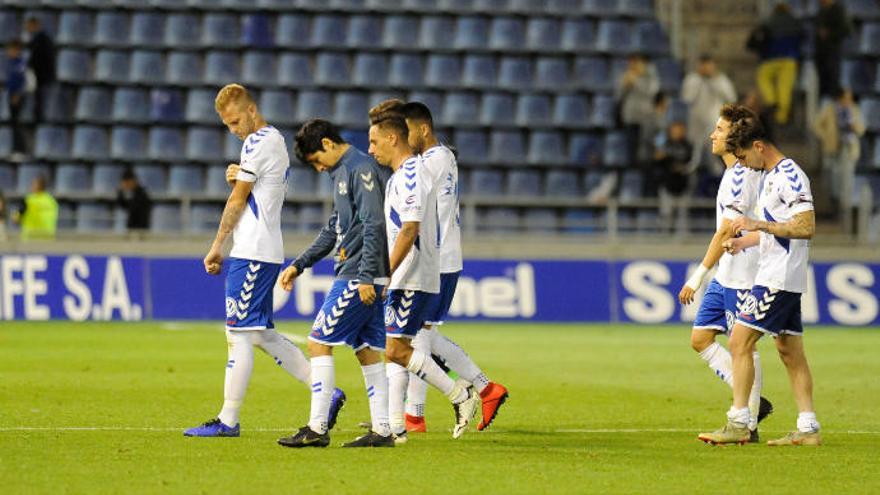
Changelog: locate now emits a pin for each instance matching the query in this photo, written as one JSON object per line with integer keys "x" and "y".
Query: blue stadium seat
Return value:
{"x": 127, "y": 142}
{"x": 670, "y": 74}
{"x": 331, "y": 69}
{"x": 460, "y": 108}
{"x": 60, "y": 104}
{"x": 221, "y": 67}
{"x": 147, "y": 67}
{"x": 647, "y": 221}
{"x": 858, "y": 75}
{"x": 93, "y": 217}
{"x": 544, "y": 34}
{"x": 370, "y": 70}
{"x": 215, "y": 182}
{"x": 52, "y": 142}
{"x": 184, "y": 68}
{"x": 277, "y": 106}
{"x": 400, "y": 31}
{"x": 165, "y": 218}
{"x": 571, "y": 111}
{"x": 498, "y": 109}
{"x": 592, "y": 74}
{"x": 433, "y": 100}
{"x": 563, "y": 7}
{"x": 579, "y": 220}
{"x": 524, "y": 183}
{"x": 617, "y": 150}
{"x": 650, "y": 38}
{"x": 328, "y": 31}
{"x": 380, "y": 5}
{"x": 5, "y": 145}
{"x": 152, "y": 177}
{"x": 75, "y": 27}
{"x": 166, "y": 143}
{"x": 90, "y": 143}
{"x": 295, "y": 70}
{"x": 614, "y": 36}
{"x": 256, "y": 31}
{"x": 871, "y": 112}
{"x": 183, "y": 30}
{"x": 443, "y": 71}
{"x": 406, "y": 70}
{"x": 311, "y": 218}
{"x": 436, "y": 31}
{"x": 551, "y": 73}
{"x": 495, "y": 219}
{"x": 10, "y": 26}
{"x": 204, "y": 217}
{"x": 220, "y": 30}
{"x": 631, "y": 186}
{"x": 111, "y": 66}
{"x": 74, "y": 65}
{"x": 601, "y": 8}
{"x": 863, "y": 9}
{"x": 147, "y": 29}
{"x": 515, "y": 73}
{"x": 507, "y": 148}
{"x": 204, "y": 144}
{"x": 106, "y": 177}
{"x": 869, "y": 41}
{"x": 93, "y": 104}
{"x": 524, "y": 7}
{"x": 604, "y": 112}
{"x": 302, "y": 182}
{"x": 258, "y": 68}
{"x": 131, "y": 105}
{"x": 487, "y": 182}
{"x": 546, "y": 148}
{"x": 111, "y": 28}
{"x": 563, "y": 183}
{"x": 72, "y": 178}
{"x": 585, "y": 150}
{"x": 166, "y": 106}
{"x": 636, "y": 8}
{"x": 351, "y": 109}
{"x": 292, "y": 29}
{"x": 578, "y": 35}
{"x": 28, "y": 172}
{"x": 364, "y": 31}
{"x": 479, "y": 71}
{"x": 507, "y": 34}
{"x": 471, "y": 33}
{"x": 185, "y": 179}
{"x": 314, "y": 105}
{"x": 472, "y": 146}
{"x": 539, "y": 220}
{"x": 232, "y": 147}
{"x": 533, "y": 110}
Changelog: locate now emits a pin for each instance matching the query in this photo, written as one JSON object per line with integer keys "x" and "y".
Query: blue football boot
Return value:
{"x": 213, "y": 428}
{"x": 337, "y": 402}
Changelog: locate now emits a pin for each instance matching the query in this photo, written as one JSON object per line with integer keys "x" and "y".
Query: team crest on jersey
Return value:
{"x": 343, "y": 188}
{"x": 230, "y": 307}
{"x": 750, "y": 306}
{"x": 319, "y": 321}
{"x": 389, "y": 316}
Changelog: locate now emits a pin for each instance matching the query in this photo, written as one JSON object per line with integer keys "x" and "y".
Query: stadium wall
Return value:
{"x": 101, "y": 287}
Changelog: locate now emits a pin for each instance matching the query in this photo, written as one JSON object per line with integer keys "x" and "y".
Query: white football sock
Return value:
{"x": 323, "y": 383}
{"x": 238, "y": 374}
{"x": 458, "y": 360}
{"x": 377, "y": 394}
{"x": 397, "y": 378}
{"x": 718, "y": 358}
{"x": 416, "y": 396}
{"x": 286, "y": 354}
{"x": 755, "y": 395}
{"x": 739, "y": 416}
{"x": 807, "y": 422}
{"x": 425, "y": 367}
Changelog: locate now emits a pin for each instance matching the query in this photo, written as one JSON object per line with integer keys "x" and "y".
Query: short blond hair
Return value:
{"x": 232, "y": 93}
{"x": 385, "y": 109}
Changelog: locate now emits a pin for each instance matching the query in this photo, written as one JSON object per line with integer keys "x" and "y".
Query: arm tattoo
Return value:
{"x": 802, "y": 226}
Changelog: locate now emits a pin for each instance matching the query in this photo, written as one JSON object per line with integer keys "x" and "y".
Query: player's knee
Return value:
{"x": 396, "y": 354}
{"x": 316, "y": 349}
{"x": 700, "y": 340}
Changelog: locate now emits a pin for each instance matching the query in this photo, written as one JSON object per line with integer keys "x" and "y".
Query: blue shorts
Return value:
{"x": 772, "y": 311}
{"x": 438, "y": 304}
{"x": 405, "y": 312}
{"x": 344, "y": 319}
{"x": 719, "y": 307}
{"x": 249, "y": 286}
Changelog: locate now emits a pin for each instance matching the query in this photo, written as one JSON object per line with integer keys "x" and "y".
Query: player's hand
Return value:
{"x": 744, "y": 223}
{"x": 686, "y": 296}
{"x": 384, "y": 292}
{"x": 733, "y": 246}
{"x": 288, "y": 277}
{"x": 367, "y": 293}
{"x": 231, "y": 173}
{"x": 213, "y": 262}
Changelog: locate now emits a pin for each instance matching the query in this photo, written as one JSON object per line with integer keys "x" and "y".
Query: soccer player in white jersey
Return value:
{"x": 411, "y": 224}
{"x": 727, "y": 292}
{"x": 440, "y": 163}
{"x": 774, "y": 305}
{"x": 252, "y": 217}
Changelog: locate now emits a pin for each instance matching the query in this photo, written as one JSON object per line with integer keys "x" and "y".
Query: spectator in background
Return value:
{"x": 752, "y": 101}
{"x": 778, "y": 44}
{"x": 42, "y": 62}
{"x": 137, "y": 203}
{"x": 15, "y": 91}
{"x": 839, "y": 127}
{"x": 832, "y": 27}
{"x": 652, "y": 130}
{"x": 39, "y": 214}
{"x": 635, "y": 91}
{"x": 671, "y": 171}
{"x": 705, "y": 90}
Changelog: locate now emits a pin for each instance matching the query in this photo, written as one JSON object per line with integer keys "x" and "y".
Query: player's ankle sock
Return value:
{"x": 427, "y": 369}
{"x": 397, "y": 379}
{"x": 238, "y": 374}
{"x": 286, "y": 354}
{"x": 807, "y": 422}
{"x": 739, "y": 417}
{"x": 416, "y": 394}
{"x": 718, "y": 358}
{"x": 755, "y": 395}
{"x": 323, "y": 382}
{"x": 377, "y": 394}
{"x": 458, "y": 360}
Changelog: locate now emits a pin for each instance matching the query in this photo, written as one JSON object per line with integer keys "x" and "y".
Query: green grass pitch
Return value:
{"x": 99, "y": 408}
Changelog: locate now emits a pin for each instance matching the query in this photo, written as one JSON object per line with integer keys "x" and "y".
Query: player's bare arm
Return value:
{"x": 403, "y": 244}
{"x": 735, "y": 245}
{"x": 713, "y": 254}
{"x": 235, "y": 206}
{"x": 801, "y": 226}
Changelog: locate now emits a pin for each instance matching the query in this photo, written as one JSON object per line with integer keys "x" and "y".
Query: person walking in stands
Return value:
{"x": 42, "y": 62}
